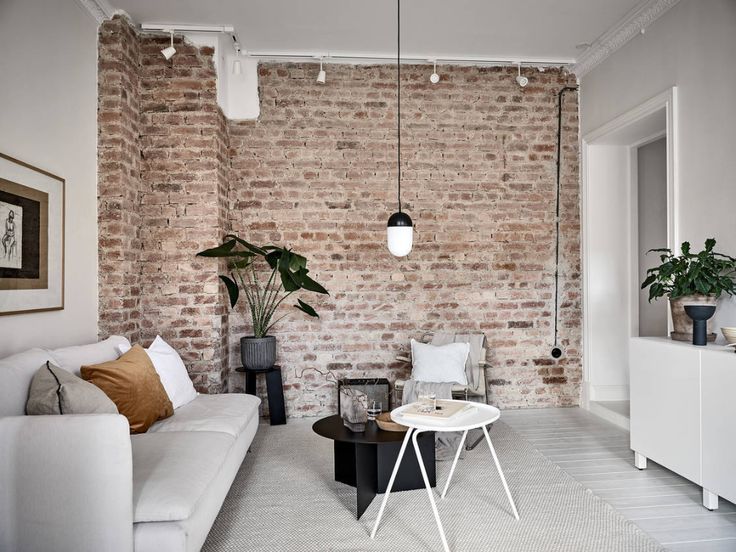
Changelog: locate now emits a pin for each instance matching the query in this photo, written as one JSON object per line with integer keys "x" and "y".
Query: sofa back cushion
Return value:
{"x": 72, "y": 359}
{"x": 16, "y": 373}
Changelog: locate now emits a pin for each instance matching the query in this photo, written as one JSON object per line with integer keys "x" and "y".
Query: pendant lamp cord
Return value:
{"x": 398, "y": 85}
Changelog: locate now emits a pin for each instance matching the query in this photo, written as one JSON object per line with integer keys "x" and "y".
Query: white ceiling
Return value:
{"x": 492, "y": 29}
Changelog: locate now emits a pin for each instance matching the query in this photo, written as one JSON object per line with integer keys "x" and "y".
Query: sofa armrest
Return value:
{"x": 67, "y": 483}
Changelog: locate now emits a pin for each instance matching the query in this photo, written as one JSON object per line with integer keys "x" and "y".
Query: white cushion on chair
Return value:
{"x": 444, "y": 363}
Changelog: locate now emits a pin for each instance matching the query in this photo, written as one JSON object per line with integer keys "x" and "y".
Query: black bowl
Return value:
{"x": 700, "y": 312}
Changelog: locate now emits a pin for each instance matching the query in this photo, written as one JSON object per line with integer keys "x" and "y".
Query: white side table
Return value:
{"x": 482, "y": 416}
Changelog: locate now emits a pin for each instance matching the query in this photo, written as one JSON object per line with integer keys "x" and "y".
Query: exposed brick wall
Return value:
{"x": 317, "y": 172}
{"x": 119, "y": 180}
{"x": 180, "y": 184}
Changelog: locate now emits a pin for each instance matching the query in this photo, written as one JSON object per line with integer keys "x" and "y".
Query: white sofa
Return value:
{"x": 82, "y": 482}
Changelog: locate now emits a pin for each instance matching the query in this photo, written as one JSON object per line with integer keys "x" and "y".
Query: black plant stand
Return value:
{"x": 274, "y": 389}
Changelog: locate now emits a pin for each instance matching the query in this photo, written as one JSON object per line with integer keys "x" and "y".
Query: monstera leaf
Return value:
{"x": 264, "y": 293}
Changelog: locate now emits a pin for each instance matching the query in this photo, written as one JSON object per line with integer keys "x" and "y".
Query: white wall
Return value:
{"x": 652, "y": 234}
{"x": 692, "y": 46}
{"x": 607, "y": 222}
{"x": 48, "y": 118}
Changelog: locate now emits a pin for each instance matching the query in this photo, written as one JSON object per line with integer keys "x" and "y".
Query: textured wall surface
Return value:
{"x": 317, "y": 172}
{"x": 118, "y": 180}
{"x": 162, "y": 197}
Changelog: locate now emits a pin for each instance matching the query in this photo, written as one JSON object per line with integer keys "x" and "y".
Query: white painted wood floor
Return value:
{"x": 597, "y": 454}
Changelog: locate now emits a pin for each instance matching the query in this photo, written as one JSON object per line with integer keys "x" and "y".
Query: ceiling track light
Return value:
{"x": 521, "y": 79}
{"x": 237, "y": 66}
{"x": 322, "y": 75}
{"x": 169, "y": 51}
{"x": 434, "y": 78}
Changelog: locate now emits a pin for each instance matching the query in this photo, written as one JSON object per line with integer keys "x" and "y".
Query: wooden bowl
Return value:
{"x": 385, "y": 422}
{"x": 729, "y": 334}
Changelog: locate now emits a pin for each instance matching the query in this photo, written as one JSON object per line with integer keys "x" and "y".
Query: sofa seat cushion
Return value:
{"x": 227, "y": 413}
{"x": 172, "y": 471}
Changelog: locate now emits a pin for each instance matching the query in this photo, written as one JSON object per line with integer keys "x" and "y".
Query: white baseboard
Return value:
{"x": 599, "y": 409}
{"x": 608, "y": 393}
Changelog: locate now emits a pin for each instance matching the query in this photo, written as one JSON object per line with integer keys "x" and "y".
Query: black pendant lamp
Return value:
{"x": 400, "y": 231}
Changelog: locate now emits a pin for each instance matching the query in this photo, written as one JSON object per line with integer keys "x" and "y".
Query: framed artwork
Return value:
{"x": 31, "y": 238}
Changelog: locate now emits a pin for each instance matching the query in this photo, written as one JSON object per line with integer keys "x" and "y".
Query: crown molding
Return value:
{"x": 633, "y": 24}
{"x": 100, "y": 10}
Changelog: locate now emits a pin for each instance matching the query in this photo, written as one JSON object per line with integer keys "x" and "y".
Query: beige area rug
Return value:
{"x": 285, "y": 499}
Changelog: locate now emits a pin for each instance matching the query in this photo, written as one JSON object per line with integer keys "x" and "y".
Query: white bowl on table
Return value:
{"x": 729, "y": 334}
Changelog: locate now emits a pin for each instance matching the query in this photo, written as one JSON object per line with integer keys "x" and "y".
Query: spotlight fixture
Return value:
{"x": 434, "y": 78}
{"x": 237, "y": 66}
{"x": 321, "y": 76}
{"x": 169, "y": 51}
{"x": 400, "y": 229}
{"x": 521, "y": 79}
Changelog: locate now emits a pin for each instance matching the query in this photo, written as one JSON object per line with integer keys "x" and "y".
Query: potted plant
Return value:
{"x": 690, "y": 278}
{"x": 248, "y": 265}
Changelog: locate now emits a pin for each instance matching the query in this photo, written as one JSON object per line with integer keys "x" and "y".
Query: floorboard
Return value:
{"x": 597, "y": 454}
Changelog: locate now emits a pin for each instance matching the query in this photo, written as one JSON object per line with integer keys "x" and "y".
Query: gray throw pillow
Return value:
{"x": 56, "y": 391}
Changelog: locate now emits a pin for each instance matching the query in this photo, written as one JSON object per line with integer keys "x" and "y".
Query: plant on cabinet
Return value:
{"x": 690, "y": 278}
{"x": 267, "y": 276}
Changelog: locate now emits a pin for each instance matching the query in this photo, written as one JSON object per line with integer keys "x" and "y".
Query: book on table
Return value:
{"x": 444, "y": 410}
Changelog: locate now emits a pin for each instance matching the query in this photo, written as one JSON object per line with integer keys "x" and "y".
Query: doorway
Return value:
{"x": 628, "y": 206}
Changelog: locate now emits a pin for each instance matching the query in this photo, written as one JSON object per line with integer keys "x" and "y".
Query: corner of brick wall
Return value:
{"x": 118, "y": 184}
{"x": 162, "y": 174}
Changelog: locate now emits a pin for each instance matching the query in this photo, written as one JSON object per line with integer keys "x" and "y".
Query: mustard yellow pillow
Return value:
{"x": 131, "y": 382}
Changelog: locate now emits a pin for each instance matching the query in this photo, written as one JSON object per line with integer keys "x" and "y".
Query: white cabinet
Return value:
{"x": 718, "y": 377}
{"x": 683, "y": 412}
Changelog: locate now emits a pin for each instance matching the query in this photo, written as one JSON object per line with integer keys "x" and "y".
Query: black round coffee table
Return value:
{"x": 365, "y": 460}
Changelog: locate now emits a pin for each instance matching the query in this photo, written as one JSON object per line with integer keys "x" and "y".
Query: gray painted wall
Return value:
{"x": 652, "y": 216}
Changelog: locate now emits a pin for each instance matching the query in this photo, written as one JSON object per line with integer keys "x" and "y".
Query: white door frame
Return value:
{"x": 666, "y": 101}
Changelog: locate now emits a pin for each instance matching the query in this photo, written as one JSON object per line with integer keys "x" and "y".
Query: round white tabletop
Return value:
{"x": 478, "y": 415}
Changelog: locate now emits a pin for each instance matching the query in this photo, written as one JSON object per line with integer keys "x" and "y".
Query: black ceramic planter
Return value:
{"x": 258, "y": 353}
{"x": 700, "y": 315}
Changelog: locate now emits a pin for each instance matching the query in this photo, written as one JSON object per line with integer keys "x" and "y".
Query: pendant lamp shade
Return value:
{"x": 400, "y": 229}
{"x": 400, "y": 234}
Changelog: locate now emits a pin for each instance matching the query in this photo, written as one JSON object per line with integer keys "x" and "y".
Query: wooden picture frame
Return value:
{"x": 32, "y": 206}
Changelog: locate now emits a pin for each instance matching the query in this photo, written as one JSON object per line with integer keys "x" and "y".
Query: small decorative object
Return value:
{"x": 354, "y": 409}
{"x": 690, "y": 278}
{"x": 377, "y": 389}
{"x": 374, "y": 409}
{"x": 31, "y": 238}
{"x": 288, "y": 274}
{"x": 385, "y": 422}
{"x": 700, "y": 315}
{"x": 730, "y": 335}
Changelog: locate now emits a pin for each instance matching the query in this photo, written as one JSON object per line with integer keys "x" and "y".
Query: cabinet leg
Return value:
{"x": 640, "y": 461}
{"x": 710, "y": 500}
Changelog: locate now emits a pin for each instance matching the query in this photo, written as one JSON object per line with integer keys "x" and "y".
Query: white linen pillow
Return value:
{"x": 443, "y": 363}
{"x": 170, "y": 368}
